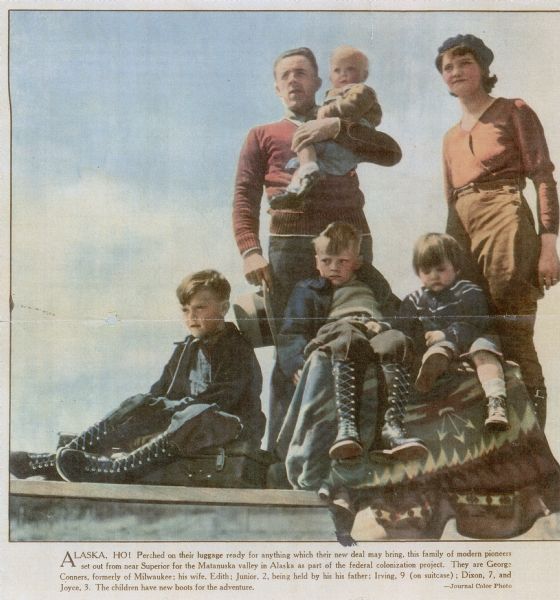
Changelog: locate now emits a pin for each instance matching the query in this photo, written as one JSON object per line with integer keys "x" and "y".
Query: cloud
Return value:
{"x": 98, "y": 246}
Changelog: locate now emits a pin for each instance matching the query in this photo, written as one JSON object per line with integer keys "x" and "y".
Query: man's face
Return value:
{"x": 337, "y": 268}
{"x": 204, "y": 314}
{"x": 295, "y": 82}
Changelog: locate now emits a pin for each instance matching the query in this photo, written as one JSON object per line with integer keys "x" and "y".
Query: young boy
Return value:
{"x": 208, "y": 394}
{"x": 345, "y": 317}
{"x": 448, "y": 318}
{"x": 351, "y": 100}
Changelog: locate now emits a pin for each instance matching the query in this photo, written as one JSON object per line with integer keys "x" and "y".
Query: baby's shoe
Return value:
{"x": 304, "y": 178}
{"x": 292, "y": 198}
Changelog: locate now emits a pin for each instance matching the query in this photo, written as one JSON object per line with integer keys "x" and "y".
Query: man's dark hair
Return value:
{"x": 303, "y": 51}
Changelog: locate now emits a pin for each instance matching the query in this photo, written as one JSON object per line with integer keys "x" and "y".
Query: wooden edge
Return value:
{"x": 164, "y": 494}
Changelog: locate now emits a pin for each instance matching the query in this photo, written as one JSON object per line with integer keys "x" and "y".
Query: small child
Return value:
{"x": 349, "y": 99}
{"x": 448, "y": 318}
{"x": 344, "y": 317}
{"x": 208, "y": 394}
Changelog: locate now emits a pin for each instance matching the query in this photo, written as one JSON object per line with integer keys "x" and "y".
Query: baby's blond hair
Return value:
{"x": 350, "y": 52}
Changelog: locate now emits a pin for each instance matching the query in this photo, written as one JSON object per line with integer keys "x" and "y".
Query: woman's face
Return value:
{"x": 462, "y": 74}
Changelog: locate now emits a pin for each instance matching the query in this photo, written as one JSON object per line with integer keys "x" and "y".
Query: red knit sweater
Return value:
{"x": 266, "y": 151}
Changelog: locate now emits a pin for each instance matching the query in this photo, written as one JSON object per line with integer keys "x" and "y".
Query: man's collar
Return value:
{"x": 298, "y": 118}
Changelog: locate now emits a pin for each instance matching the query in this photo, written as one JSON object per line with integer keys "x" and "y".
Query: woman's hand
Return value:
{"x": 433, "y": 337}
{"x": 315, "y": 131}
{"x": 296, "y": 377}
{"x": 549, "y": 264}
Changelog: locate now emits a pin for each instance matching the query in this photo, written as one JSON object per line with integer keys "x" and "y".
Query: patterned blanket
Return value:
{"x": 495, "y": 484}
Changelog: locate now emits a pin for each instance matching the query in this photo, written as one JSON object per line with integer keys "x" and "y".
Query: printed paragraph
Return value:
{"x": 247, "y": 571}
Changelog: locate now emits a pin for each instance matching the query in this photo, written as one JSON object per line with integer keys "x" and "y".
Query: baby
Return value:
{"x": 349, "y": 99}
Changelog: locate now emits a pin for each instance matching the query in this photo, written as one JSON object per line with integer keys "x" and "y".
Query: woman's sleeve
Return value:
{"x": 536, "y": 163}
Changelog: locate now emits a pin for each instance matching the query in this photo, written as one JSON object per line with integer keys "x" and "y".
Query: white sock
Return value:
{"x": 308, "y": 168}
{"x": 494, "y": 388}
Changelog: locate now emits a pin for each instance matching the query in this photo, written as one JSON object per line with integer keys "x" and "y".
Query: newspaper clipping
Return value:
{"x": 233, "y": 362}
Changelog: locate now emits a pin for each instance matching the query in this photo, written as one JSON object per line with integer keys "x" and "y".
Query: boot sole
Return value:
{"x": 496, "y": 425}
{"x": 346, "y": 449}
{"x": 58, "y": 467}
{"x": 410, "y": 451}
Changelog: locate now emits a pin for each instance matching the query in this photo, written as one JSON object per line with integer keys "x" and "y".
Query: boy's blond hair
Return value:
{"x": 203, "y": 280}
{"x": 432, "y": 249}
{"x": 337, "y": 238}
{"x": 350, "y": 52}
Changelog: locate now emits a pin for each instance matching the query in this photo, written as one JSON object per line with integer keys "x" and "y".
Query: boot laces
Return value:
{"x": 345, "y": 389}
{"x": 89, "y": 438}
{"x": 151, "y": 451}
{"x": 399, "y": 388}
{"x": 496, "y": 405}
{"x": 345, "y": 395}
{"x": 41, "y": 460}
{"x": 398, "y": 391}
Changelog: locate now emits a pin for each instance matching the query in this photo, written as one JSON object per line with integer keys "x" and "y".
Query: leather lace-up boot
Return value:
{"x": 395, "y": 440}
{"x": 29, "y": 464}
{"x": 76, "y": 465}
{"x": 347, "y": 443}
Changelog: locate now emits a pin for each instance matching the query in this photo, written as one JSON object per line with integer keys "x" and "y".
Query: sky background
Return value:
{"x": 126, "y": 128}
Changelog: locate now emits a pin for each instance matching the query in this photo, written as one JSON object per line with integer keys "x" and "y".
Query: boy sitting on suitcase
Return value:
{"x": 346, "y": 318}
{"x": 208, "y": 395}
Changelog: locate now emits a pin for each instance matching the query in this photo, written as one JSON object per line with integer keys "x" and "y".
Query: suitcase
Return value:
{"x": 236, "y": 465}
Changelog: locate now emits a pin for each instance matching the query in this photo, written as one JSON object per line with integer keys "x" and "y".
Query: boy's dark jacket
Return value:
{"x": 460, "y": 311}
{"x": 308, "y": 309}
{"x": 225, "y": 373}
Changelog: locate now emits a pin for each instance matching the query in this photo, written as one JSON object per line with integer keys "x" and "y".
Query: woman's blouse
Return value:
{"x": 506, "y": 143}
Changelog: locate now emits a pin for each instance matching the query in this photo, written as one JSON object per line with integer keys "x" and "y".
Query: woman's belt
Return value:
{"x": 483, "y": 186}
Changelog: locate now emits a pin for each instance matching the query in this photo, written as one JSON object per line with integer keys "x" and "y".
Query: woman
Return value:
{"x": 487, "y": 157}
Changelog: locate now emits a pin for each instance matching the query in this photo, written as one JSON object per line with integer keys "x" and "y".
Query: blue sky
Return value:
{"x": 126, "y": 131}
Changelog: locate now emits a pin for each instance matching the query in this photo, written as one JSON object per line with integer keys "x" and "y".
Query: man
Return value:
{"x": 262, "y": 162}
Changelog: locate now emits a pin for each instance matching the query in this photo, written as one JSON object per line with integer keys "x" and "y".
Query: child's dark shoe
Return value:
{"x": 435, "y": 365}
{"x": 287, "y": 201}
